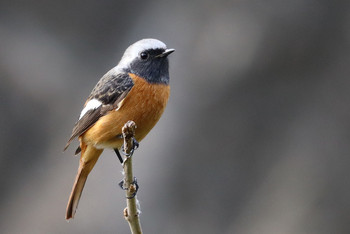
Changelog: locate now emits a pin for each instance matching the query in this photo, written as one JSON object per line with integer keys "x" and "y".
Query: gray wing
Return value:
{"x": 110, "y": 91}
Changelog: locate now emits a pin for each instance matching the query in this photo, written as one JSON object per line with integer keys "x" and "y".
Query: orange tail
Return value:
{"x": 89, "y": 156}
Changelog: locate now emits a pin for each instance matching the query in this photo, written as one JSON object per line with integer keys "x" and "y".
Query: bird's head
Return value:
{"x": 147, "y": 58}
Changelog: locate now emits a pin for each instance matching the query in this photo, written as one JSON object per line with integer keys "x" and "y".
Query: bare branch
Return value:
{"x": 131, "y": 213}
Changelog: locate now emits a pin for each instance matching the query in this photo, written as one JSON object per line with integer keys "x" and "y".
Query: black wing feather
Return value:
{"x": 110, "y": 90}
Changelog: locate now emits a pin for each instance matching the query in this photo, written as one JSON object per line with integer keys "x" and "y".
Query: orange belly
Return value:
{"x": 144, "y": 105}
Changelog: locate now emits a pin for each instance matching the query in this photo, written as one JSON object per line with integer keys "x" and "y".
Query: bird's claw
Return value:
{"x": 135, "y": 145}
{"x": 134, "y": 183}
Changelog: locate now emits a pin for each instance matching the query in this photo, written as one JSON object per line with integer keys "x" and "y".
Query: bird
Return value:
{"x": 136, "y": 89}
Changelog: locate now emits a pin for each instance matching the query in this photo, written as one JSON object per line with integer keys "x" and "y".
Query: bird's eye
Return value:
{"x": 144, "y": 55}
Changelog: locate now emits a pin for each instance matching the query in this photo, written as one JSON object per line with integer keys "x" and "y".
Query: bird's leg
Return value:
{"x": 119, "y": 156}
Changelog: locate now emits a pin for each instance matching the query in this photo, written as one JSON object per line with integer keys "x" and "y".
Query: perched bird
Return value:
{"x": 136, "y": 89}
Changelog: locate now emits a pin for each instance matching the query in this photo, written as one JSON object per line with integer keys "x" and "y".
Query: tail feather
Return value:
{"x": 76, "y": 194}
{"x": 89, "y": 157}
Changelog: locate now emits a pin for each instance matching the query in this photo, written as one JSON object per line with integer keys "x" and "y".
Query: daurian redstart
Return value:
{"x": 136, "y": 89}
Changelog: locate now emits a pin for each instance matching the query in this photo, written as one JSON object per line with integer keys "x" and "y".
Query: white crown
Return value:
{"x": 135, "y": 49}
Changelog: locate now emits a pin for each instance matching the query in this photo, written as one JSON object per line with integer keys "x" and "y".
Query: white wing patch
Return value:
{"x": 120, "y": 104}
{"x": 92, "y": 104}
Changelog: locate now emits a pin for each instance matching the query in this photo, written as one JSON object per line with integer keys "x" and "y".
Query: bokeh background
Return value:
{"x": 255, "y": 138}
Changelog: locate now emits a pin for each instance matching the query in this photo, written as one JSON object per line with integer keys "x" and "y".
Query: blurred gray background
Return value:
{"x": 255, "y": 138}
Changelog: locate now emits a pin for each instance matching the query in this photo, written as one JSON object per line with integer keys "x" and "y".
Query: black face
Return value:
{"x": 151, "y": 66}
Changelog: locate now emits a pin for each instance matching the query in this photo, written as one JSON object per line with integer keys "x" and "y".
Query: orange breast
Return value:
{"x": 144, "y": 105}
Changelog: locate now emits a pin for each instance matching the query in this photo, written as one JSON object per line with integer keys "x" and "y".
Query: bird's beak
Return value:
{"x": 165, "y": 53}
